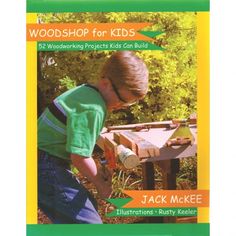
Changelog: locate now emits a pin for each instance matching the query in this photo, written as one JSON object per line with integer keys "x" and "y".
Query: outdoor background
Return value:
{"x": 172, "y": 86}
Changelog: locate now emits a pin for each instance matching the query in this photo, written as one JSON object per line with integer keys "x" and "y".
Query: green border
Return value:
{"x": 117, "y": 5}
{"x": 119, "y": 230}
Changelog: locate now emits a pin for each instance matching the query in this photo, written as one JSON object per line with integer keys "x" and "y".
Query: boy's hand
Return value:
{"x": 101, "y": 178}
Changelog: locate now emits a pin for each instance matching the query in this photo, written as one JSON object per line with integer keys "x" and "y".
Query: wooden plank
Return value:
{"x": 141, "y": 126}
{"x": 110, "y": 151}
{"x": 144, "y": 149}
{"x": 191, "y": 121}
{"x": 100, "y": 142}
{"x": 168, "y": 153}
{"x": 116, "y": 137}
{"x": 159, "y": 137}
{"x": 127, "y": 142}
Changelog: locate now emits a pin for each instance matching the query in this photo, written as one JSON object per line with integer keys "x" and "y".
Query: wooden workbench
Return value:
{"x": 167, "y": 160}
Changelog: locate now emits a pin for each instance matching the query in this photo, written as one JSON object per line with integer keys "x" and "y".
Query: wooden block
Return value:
{"x": 116, "y": 137}
{"x": 135, "y": 138}
{"x": 144, "y": 149}
{"x": 127, "y": 142}
{"x": 110, "y": 150}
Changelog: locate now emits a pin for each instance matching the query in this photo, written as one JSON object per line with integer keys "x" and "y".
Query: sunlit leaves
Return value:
{"x": 173, "y": 83}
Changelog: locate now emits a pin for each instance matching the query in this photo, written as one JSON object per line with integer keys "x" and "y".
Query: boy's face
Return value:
{"x": 120, "y": 98}
{"x": 116, "y": 98}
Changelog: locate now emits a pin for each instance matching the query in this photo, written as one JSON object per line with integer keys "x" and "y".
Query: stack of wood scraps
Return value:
{"x": 142, "y": 147}
{"x": 128, "y": 147}
{"x": 148, "y": 145}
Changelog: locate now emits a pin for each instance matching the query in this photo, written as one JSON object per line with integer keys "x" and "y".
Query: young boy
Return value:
{"x": 67, "y": 133}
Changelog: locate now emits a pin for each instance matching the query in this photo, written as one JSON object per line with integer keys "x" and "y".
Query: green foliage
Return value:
{"x": 67, "y": 83}
{"x": 123, "y": 181}
{"x": 188, "y": 172}
{"x": 172, "y": 88}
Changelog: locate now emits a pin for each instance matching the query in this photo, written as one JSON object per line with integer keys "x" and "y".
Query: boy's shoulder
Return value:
{"x": 85, "y": 97}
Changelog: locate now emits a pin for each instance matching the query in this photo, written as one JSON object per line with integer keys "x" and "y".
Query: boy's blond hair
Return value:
{"x": 126, "y": 70}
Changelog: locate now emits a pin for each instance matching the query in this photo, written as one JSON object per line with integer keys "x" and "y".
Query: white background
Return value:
{"x": 223, "y": 131}
{"x": 223, "y": 123}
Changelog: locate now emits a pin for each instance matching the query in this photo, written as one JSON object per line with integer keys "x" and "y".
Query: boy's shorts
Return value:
{"x": 61, "y": 196}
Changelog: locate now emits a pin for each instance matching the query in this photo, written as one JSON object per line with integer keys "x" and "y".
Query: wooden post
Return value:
{"x": 169, "y": 170}
{"x": 149, "y": 184}
{"x": 148, "y": 176}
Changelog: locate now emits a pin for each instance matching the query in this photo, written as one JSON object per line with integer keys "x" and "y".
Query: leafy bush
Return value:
{"x": 187, "y": 176}
{"x": 172, "y": 87}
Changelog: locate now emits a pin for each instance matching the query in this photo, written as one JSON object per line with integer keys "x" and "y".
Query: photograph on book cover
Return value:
{"x": 118, "y": 118}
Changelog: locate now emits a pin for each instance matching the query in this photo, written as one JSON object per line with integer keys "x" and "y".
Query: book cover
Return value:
{"x": 117, "y": 117}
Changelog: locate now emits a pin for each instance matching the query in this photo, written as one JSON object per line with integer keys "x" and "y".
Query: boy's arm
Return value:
{"x": 88, "y": 168}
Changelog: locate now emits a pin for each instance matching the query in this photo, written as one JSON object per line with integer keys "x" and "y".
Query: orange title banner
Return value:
{"x": 86, "y": 32}
{"x": 167, "y": 198}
